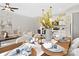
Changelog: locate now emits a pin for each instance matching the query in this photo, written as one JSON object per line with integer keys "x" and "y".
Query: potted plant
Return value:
{"x": 48, "y": 24}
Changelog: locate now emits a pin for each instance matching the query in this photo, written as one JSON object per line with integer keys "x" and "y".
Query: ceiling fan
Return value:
{"x": 8, "y": 7}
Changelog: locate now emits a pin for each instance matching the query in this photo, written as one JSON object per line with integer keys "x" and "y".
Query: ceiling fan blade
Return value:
{"x": 14, "y": 8}
{"x": 2, "y": 9}
{"x": 7, "y": 3}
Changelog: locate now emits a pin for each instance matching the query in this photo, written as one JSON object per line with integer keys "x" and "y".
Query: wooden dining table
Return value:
{"x": 65, "y": 45}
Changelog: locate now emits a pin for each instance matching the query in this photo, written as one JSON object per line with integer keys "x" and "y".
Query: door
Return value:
{"x": 75, "y": 25}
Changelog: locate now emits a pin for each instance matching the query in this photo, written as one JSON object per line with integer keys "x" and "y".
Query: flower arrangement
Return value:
{"x": 45, "y": 19}
{"x": 46, "y": 22}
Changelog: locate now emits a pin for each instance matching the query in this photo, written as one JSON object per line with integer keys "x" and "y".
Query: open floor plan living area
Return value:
{"x": 39, "y": 29}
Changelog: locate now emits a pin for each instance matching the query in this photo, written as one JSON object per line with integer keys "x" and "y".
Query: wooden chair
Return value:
{"x": 33, "y": 52}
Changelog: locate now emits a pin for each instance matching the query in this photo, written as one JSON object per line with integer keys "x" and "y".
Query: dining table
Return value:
{"x": 64, "y": 44}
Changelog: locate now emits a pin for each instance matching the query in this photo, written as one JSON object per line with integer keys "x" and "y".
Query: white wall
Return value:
{"x": 24, "y": 23}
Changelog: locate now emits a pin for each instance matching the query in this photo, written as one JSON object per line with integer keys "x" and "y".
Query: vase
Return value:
{"x": 48, "y": 35}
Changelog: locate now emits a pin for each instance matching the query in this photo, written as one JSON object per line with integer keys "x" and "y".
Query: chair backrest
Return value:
{"x": 33, "y": 52}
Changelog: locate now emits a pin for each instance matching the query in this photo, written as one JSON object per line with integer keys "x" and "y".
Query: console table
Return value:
{"x": 9, "y": 38}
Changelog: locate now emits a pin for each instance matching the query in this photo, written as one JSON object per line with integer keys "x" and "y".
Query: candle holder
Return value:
{"x": 40, "y": 39}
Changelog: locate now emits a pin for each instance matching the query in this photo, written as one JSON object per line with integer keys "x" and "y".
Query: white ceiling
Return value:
{"x": 34, "y": 9}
